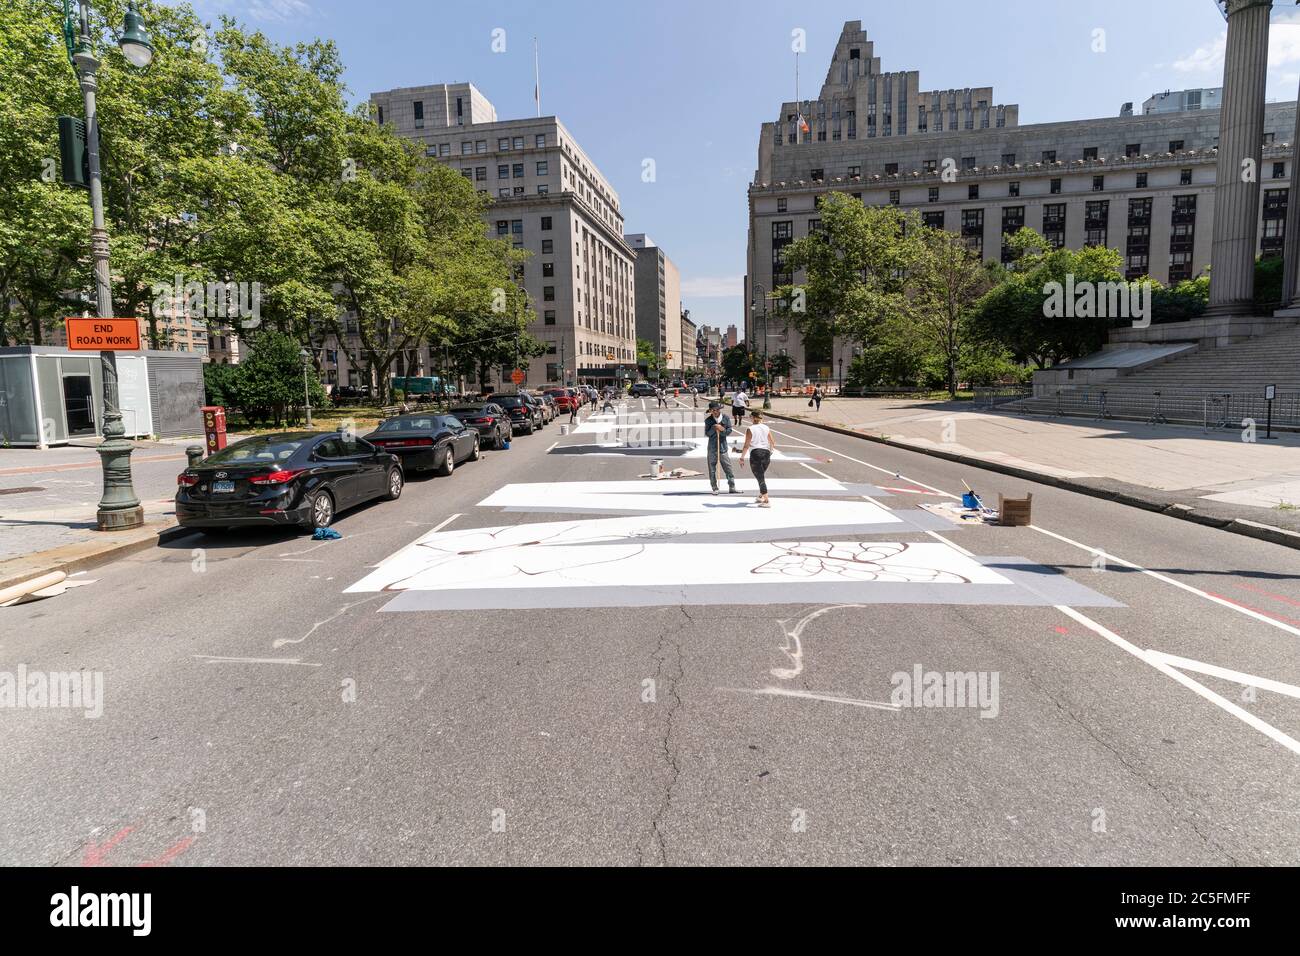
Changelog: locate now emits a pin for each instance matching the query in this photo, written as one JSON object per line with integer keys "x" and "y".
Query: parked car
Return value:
{"x": 642, "y": 390}
{"x": 489, "y": 419}
{"x": 285, "y": 479}
{"x": 350, "y": 393}
{"x": 547, "y": 410}
{"x": 524, "y": 415}
{"x": 566, "y": 399}
{"x": 427, "y": 442}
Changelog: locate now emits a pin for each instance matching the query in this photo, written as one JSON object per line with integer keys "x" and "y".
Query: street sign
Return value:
{"x": 1270, "y": 392}
{"x": 103, "y": 335}
{"x": 517, "y": 376}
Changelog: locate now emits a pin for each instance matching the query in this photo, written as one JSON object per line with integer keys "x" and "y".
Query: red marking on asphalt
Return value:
{"x": 1062, "y": 630}
{"x": 1275, "y": 597}
{"x": 171, "y": 853}
{"x": 1257, "y": 610}
{"x": 95, "y": 853}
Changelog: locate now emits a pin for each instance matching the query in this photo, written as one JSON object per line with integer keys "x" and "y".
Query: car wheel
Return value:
{"x": 395, "y": 484}
{"x": 474, "y": 455}
{"x": 320, "y": 508}
{"x": 448, "y": 462}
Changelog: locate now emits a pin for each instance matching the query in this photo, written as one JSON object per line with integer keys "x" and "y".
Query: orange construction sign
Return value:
{"x": 103, "y": 335}
{"x": 517, "y": 376}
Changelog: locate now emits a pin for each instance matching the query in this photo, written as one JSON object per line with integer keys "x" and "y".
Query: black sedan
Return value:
{"x": 643, "y": 390}
{"x": 285, "y": 479}
{"x": 524, "y": 415}
{"x": 425, "y": 442}
{"x": 489, "y": 419}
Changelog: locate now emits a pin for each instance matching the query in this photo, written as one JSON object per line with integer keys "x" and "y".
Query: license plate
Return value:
{"x": 223, "y": 487}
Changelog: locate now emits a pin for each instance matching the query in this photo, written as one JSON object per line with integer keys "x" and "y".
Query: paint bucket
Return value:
{"x": 657, "y": 467}
{"x": 564, "y": 429}
{"x": 970, "y": 500}
{"x": 506, "y": 444}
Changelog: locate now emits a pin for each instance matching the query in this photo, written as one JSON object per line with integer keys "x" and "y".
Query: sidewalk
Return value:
{"x": 1215, "y": 474}
{"x": 48, "y": 500}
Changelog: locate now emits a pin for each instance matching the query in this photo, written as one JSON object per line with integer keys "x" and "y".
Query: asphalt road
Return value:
{"x": 254, "y": 712}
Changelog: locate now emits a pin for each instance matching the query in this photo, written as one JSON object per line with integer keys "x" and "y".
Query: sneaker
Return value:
{"x": 715, "y": 491}
{"x": 731, "y": 490}
{"x": 765, "y": 504}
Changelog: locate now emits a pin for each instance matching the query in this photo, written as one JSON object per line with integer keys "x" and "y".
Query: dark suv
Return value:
{"x": 524, "y": 415}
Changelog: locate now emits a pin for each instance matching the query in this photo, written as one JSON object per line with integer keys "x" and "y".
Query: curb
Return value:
{"x": 85, "y": 555}
{"x": 1249, "y": 529}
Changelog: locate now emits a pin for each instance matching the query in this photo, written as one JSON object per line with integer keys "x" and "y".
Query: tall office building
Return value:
{"x": 550, "y": 198}
{"x": 658, "y": 301}
{"x": 1142, "y": 184}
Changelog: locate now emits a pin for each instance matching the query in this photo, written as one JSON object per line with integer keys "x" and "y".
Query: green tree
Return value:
{"x": 945, "y": 281}
{"x": 269, "y": 385}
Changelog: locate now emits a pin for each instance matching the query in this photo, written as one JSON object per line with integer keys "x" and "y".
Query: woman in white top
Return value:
{"x": 759, "y": 445}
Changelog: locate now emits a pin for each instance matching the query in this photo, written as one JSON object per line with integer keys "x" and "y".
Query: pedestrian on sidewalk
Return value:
{"x": 573, "y": 409}
{"x": 759, "y": 444}
{"x": 717, "y": 426}
{"x": 818, "y": 395}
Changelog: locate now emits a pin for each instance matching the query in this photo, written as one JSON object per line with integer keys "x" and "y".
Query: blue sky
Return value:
{"x": 688, "y": 83}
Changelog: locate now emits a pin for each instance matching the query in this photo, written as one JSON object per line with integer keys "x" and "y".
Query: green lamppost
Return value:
{"x": 119, "y": 508}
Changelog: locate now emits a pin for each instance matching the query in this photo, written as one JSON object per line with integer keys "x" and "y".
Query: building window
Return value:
{"x": 548, "y": 247}
{"x": 1090, "y": 152}
{"x": 1185, "y": 177}
{"x": 1008, "y": 159}
{"x": 517, "y": 170}
{"x": 548, "y": 270}
{"x": 1049, "y": 155}
{"x": 419, "y": 114}
{"x": 543, "y": 189}
{"x": 548, "y": 293}
{"x": 381, "y": 116}
{"x": 518, "y": 191}
{"x": 1275, "y": 202}
{"x": 1056, "y": 187}
{"x": 934, "y": 194}
{"x": 1175, "y": 146}
{"x": 894, "y": 197}
{"x": 781, "y": 205}
{"x": 1096, "y": 217}
{"x": 933, "y": 220}
{"x": 517, "y": 143}
{"x": 1141, "y": 181}
{"x": 1013, "y": 188}
{"x": 973, "y": 191}
{"x": 855, "y": 172}
{"x": 968, "y": 162}
{"x": 817, "y": 175}
{"x": 1054, "y": 224}
{"x": 549, "y": 316}
{"x": 503, "y": 192}
{"x": 503, "y": 144}
{"x": 1098, "y": 183}
{"x": 444, "y": 149}
{"x": 543, "y": 169}
{"x": 1279, "y": 170}
{"x": 546, "y": 224}
{"x": 503, "y": 171}
{"x": 517, "y": 227}
{"x": 503, "y": 227}
{"x": 931, "y": 165}
{"x": 972, "y": 229}
{"x": 480, "y": 173}
{"x": 539, "y": 140}
{"x": 466, "y": 148}
{"x": 480, "y": 146}
{"x": 891, "y": 169}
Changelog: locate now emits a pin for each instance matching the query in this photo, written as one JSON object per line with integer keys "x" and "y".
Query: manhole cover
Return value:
{"x": 18, "y": 491}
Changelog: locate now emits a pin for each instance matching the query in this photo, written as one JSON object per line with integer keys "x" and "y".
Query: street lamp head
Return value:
{"x": 134, "y": 42}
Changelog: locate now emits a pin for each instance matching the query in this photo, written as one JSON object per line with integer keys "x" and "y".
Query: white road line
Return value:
{"x": 208, "y": 659}
{"x": 956, "y": 547}
{"x": 1156, "y": 661}
{"x": 809, "y": 695}
{"x": 548, "y": 451}
{"x": 922, "y": 484}
{"x": 1213, "y": 670}
{"x": 1223, "y": 602}
{"x": 1280, "y": 625}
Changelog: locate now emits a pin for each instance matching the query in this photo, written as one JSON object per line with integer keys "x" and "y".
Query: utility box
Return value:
{"x": 74, "y": 157}
{"x": 214, "y": 428}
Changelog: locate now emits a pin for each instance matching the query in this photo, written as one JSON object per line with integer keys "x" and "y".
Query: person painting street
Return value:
{"x": 717, "y": 426}
{"x": 759, "y": 445}
{"x": 662, "y": 396}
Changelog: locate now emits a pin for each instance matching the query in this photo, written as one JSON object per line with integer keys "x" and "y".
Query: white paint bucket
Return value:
{"x": 564, "y": 429}
{"x": 657, "y": 467}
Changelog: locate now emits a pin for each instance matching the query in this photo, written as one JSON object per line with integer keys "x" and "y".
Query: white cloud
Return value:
{"x": 1283, "y": 48}
{"x": 714, "y": 287}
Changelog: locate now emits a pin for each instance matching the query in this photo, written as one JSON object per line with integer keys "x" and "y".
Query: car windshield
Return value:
{"x": 406, "y": 423}
{"x": 264, "y": 448}
{"x": 477, "y": 410}
{"x": 510, "y": 401}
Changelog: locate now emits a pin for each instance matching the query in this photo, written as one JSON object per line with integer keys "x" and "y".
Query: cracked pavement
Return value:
{"x": 255, "y": 714}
